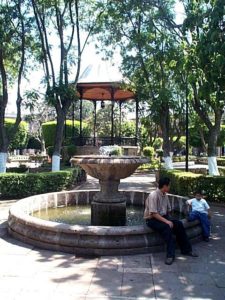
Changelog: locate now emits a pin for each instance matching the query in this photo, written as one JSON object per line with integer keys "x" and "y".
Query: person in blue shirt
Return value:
{"x": 200, "y": 210}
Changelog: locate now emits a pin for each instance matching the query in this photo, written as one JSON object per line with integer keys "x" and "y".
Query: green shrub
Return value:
{"x": 154, "y": 165}
{"x": 149, "y": 152}
{"x": 49, "y": 129}
{"x": 159, "y": 152}
{"x": 71, "y": 150}
{"x": 158, "y": 142}
{"x": 68, "y": 152}
{"x": 185, "y": 183}
{"x": 180, "y": 144}
{"x": 34, "y": 143}
{"x": 220, "y": 161}
{"x": 116, "y": 151}
{"x": 222, "y": 171}
{"x": 38, "y": 158}
{"x": 128, "y": 129}
{"x": 50, "y": 150}
{"x": 23, "y": 185}
{"x": 204, "y": 160}
{"x": 20, "y": 169}
{"x": 183, "y": 158}
{"x": 20, "y": 139}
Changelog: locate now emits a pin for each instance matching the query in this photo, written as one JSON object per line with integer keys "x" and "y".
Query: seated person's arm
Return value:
{"x": 188, "y": 202}
{"x": 209, "y": 214}
{"x": 162, "y": 219}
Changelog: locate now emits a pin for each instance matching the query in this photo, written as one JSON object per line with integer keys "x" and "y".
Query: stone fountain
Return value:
{"x": 108, "y": 207}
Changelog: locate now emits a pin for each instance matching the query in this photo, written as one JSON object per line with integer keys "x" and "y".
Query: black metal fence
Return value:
{"x": 105, "y": 141}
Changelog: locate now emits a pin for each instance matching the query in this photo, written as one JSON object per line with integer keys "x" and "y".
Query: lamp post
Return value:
{"x": 186, "y": 126}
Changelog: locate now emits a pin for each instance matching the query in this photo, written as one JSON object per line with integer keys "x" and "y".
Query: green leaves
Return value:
{"x": 20, "y": 139}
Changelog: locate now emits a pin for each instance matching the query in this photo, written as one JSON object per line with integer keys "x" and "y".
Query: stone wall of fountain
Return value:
{"x": 88, "y": 240}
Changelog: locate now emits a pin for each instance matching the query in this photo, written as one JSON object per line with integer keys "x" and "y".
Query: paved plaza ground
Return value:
{"x": 27, "y": 272}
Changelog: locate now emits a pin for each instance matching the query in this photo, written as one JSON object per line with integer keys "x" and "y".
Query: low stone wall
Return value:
{"x": 88, "y": 240}
{"x": 87, "y": 150}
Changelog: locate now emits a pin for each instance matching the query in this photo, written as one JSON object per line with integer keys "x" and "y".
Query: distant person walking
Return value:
{"x": 156, "y": 215}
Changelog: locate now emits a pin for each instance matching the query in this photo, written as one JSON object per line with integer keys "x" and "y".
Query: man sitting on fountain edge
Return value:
{"x": 156, "y": 215}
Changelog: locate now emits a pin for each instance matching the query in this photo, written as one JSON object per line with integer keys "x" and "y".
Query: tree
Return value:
{"x": 63, "y": 19}
{"x": 40, "y": 113}
{"x": 146, "y": 34}
{"x": 205, "y": 65}
{"x": 15, "y": 46}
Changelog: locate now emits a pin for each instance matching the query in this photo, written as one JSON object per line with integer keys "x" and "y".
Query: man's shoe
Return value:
{"x": 206, "y": 239}
{"x": 169, "y": 260}
{"x": 192, "y": 254}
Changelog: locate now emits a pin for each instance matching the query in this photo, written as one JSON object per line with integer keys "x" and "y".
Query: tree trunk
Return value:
{"x": 3, "y": 145}
{"x": 167, "y": 153}
{"x": 3, "y": 149}
{"x": 212, "y": 145}
{"x": 58, "y": 142}
{"x": 202, "y": 139}
{"x": 4, "y": 142}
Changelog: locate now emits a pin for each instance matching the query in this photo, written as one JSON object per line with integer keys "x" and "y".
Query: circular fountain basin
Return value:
{"x": 109, "y": 167}
{"x": 88, "y": 240}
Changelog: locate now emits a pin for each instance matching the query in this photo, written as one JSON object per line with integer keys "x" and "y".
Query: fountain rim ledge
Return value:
{"x": 26, "y": 219}
{"x": 105, "y": 159}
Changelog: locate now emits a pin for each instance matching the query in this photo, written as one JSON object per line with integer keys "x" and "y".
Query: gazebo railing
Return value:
{"x": 105, "y": 141}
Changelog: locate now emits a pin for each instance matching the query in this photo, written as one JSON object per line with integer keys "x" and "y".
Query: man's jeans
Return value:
{"x": 167, "y": 234}
{"x": 204, "y": 221}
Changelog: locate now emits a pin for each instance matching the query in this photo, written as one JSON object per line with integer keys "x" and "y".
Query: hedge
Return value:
{"x": 66, "y": 151}
{"x": 183, "y": 158}
{"x": 149, "y": 152}
{"x": 186, "y": 183}
{"x": 20, "y": 139}
{"x": 204, "y": 160}
{"x": 49, "y": 129}
{"x": 17, "y": 186}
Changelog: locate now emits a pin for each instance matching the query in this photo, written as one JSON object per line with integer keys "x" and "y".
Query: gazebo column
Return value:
{"x": 81, "y": 117}
{"x": 120, "y": 128}
{"x": 137, "y": 119}
{"x": 73, "y": 121}
{"x": 95, "y": 118}
{"x": 112, "y": 117}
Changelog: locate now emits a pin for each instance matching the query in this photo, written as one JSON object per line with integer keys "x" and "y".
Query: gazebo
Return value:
{"x": 101, "y": 83}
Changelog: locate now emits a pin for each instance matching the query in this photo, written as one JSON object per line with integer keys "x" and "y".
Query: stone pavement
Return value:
{"x": 27, "y": 272}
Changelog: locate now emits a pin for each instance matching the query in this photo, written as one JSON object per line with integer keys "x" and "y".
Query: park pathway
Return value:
{"x": 27, "y": 272}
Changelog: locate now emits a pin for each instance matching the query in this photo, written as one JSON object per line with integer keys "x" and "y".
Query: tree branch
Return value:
{"x": 199, "y": 109}
{"x": 79, "y": 52}
{"x": 45, "y": 63}
{"x": 59, "y": 21}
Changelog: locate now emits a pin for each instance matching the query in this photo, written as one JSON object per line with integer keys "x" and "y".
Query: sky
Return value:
{"x": 89, "y": 57}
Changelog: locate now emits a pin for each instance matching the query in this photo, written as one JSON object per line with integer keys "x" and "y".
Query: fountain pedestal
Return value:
{"x": 108, "y": 214}
{"x": 108, "y": 207}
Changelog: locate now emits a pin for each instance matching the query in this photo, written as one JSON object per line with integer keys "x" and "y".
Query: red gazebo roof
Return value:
{"x": 101, "y": 82}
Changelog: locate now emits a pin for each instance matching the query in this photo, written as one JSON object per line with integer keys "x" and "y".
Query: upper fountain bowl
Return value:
{"x": 109, "y": 167}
